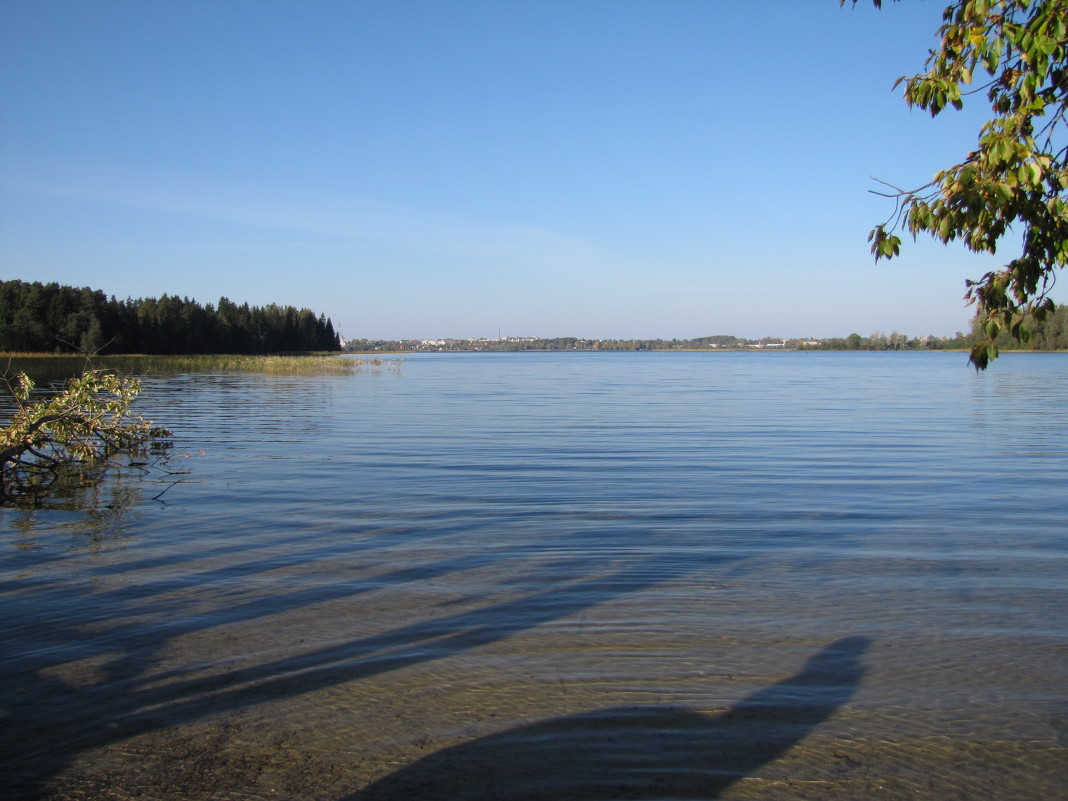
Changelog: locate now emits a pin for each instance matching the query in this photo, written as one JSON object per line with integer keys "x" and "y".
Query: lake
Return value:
{"x": 559, "y": 576}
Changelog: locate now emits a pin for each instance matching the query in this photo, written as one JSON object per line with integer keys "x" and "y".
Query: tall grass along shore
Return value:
{"x": 45, "y": 367}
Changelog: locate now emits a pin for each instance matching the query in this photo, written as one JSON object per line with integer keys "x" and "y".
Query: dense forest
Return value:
{"x": 36, "y": 317}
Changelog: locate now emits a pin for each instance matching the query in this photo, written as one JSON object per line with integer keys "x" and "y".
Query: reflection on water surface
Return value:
{"x": 663, "y": 575}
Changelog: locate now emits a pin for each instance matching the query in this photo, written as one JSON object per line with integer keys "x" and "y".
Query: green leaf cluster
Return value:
{"x": 1017, "y": 176}
{"x": 84, "y": 424}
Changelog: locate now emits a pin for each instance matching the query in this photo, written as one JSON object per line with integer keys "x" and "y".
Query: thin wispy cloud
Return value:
{"x": 320, "y": 217}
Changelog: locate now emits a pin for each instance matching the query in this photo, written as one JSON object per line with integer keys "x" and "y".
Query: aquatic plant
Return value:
{"x": 48, "y": 367}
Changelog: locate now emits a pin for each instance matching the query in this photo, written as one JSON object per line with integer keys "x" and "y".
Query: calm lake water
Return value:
{"x": 559, "y": 576}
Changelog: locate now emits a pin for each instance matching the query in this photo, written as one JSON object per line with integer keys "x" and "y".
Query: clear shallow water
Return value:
{"x": 576, "y": 575}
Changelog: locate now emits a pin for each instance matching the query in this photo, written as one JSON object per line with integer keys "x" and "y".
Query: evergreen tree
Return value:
{"x": 36, "y": 317}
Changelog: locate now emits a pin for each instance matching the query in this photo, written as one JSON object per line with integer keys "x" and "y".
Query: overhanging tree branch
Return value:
{"x": 1012, "y": 178}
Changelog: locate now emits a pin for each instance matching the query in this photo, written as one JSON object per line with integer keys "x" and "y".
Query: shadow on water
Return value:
{"x": 635, "y": 752}
{"x": 122, "y": 617}
{"x": 48, "y": 722}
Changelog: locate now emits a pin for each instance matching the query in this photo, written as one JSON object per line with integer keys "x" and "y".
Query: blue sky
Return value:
{"x": 451, "y": 168}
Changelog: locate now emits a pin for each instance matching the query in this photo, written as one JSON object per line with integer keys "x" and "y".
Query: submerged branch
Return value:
{"x": 80, "y": 427}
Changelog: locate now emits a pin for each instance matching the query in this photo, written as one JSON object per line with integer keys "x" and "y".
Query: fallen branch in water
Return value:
{"x": 55, "y": 438}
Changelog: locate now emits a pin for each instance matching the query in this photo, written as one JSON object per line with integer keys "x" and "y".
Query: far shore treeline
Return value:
{"x": 1050, "y": 334}
{"x": 50, "y": 318}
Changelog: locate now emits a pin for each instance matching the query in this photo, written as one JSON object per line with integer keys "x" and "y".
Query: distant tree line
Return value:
{"x": 892, "y": 341}
{"x": 36, "y": 317}
{"x": 539, "y": 344}
{"x": 1050, "y": 334}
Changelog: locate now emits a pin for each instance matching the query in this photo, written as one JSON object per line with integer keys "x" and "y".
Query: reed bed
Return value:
{"x": 56, "y": 367}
